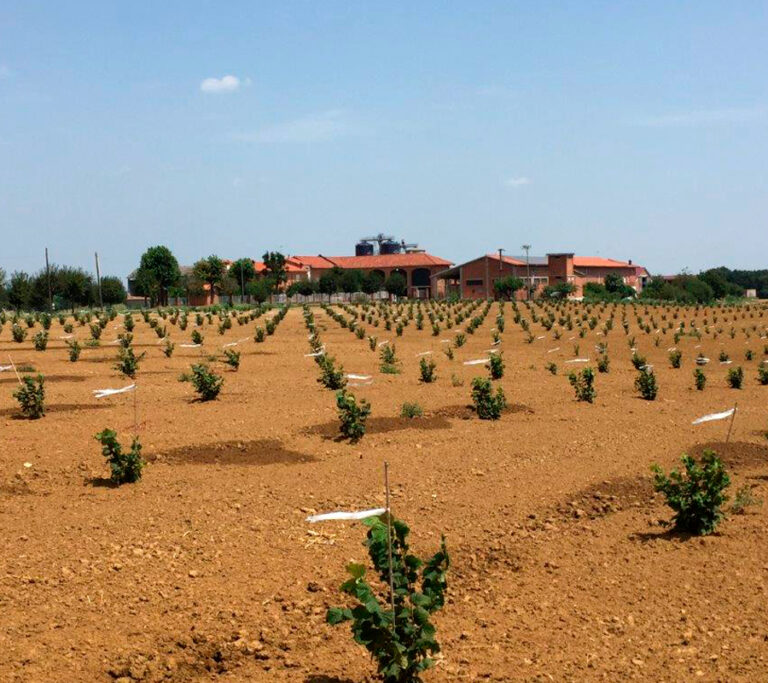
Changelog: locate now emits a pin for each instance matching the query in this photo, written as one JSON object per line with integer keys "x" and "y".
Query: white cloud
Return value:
{"x": 518, "y": 181}
{"x": 704, "y": 117}
{"x": 322, "y": 127}
{"x": 224, "y": 84}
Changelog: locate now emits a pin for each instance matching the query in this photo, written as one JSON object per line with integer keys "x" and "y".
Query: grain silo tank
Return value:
{"x": 363, "y": 249}
{"x": 390, "y": 247}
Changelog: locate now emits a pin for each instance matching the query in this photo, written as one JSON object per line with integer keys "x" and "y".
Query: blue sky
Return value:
{"x": 627, "y": 130}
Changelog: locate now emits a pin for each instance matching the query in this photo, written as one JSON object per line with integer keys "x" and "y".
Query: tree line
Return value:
{"x": 59, "y": 288}
{"x": 159, "y": 277}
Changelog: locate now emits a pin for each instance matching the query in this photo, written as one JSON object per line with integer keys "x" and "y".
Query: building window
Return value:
{"x": 474, "y": 283}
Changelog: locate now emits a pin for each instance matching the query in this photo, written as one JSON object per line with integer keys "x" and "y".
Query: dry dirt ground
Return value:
{"x": 207, "y": 570}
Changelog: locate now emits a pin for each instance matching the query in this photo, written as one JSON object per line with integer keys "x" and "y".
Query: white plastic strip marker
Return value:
{"x": 479, "y": 361}
{"x": 714, "y": 416}
{"x": 101, "y": 393}
{"x": 362, "y": 514}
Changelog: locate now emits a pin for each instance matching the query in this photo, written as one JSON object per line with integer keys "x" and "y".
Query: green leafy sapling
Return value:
{"x": 31, "y": 397}
{"x": 125, "y": 467}
{"x": 402, "y": 642}
{"x": 696, "y": 495}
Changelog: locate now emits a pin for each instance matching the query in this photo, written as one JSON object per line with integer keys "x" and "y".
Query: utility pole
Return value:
{"x": 48, "y": 277}
{"x": 526, "y": 248}
{"x": 98, "y": 279}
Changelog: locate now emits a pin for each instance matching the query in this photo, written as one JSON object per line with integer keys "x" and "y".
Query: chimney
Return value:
{"x": 630, "y": 262}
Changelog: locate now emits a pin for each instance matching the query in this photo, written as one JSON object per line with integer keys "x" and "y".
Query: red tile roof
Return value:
{"x": 410, "y": 260}
{"x": 599, "y": 262}
{"x": 507, "y": 259}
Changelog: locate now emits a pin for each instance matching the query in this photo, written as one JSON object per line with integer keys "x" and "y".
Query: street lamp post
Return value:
{"x": 526, "y": 248}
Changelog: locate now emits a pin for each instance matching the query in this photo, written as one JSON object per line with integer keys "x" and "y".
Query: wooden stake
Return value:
{"x": 135, "y": 412}
{"x": 389, "y": 539}
{"x": 14, "y": 369}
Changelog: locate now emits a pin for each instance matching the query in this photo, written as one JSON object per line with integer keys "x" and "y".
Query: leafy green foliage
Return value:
{"x": 603, "y": 363}
{"x": 696, "y": 495}
{"x": 411, "y": 410}
{"x": 488, "y": 405}
{"x": 197, "y": 337}
{"x": 31, "y": 397}
{"x": 743, "y": 499}
{"x": 206, "y": 383}
{"x": 675, "y": 358}
{"x": 735, "y": 377}
{"x": 128, "y": 362}
{"x": 401, "y": 642}
{"x": 496, "y": 366}
{"x": 699, "y": 379}
{"x": 427, "y": 370}
{"x": 232, "y": 358}
{"x": 18, "y": 333}
{"x": 389, "y": 362}
{"x": 259, "y": 336}
{"x": 551, "y": 368}
{"x": 352, "y": 415}
{"x": 125, "y": 467}
{"x": 583, "y": 384}
{"x": 41, "y": 341}
{"x": 762, "y": 374}
{"x": 74, "y": 350}
{"x": 331, "y": 376}
{"x": 645, "y": 383}
{"x": 168, "y": 348}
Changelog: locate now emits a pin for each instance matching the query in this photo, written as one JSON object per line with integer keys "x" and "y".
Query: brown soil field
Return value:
{"x": 206, "y": 569}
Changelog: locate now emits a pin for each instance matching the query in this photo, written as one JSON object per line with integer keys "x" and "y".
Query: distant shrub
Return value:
{"x": 456, "y": 381}
{"x": 645, "y": 383}
{"x": 232, "y": 358}
{"x": 603, "y": 364}
{"x": 748, "y": 355}
{"x": 31, "y": 397}
{"x": 125, "y": 468}
{"x": 638, "y": 361}
{"x": 372, "y": 343}
{"x": 411, "y": 410}
{"x": 128, "y": 362}
{"x": 168, "y": 348}
{"x": 125, "y": 340}
{"x": 331, "y": 377}
{"x": 74, "y": 350}
{"x": 197, "y": 337}
{"x": 206, "y": 383}
{"x": 724, "y": 357}
{"x": 352, "y": 415}
{"x": 496, "y": 366}
{"x": 448, "y": 351}
{"x": 583, "y": 384}
{"x": 699, "y": 379}
{"x": 259, "y": 336}
{"x": 18, "y": 333}
{"x": 68, "y": 328}
{"x": 675, "y": 358}
{"x": 41, "y": 341}
{"x": 696, "y": 495}
{"x": 95, "y": 330}
{"x": 270, "y": 327}
{"x": 460, "y": 339}
{"x": 735, "y": 377}
{"x": 389, "y": 362}
{"x": 488, "y": 405}
{"x": 743, "y": 499}
{"x": 762, "y": 374}
{"x": 427, "y": 370}
{"x": 551, "y": 368}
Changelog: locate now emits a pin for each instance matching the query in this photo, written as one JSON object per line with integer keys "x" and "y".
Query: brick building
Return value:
{"x": 418, "y": 268}
{"x": 474, "y": 279}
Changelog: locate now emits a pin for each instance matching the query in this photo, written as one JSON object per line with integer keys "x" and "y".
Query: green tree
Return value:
{"x": 19, "y": 290}
{"x": 3, "y": 288}
{"x": 158, "y": 271}
{"x": 243, "y": 272}
{"x": 372, "y": 282}
{"x": 210, "y": 270}
{"x": 274, "y": 262}
{"x": 329, "y": 282}
{"x": 351, "y": 281}
{"x": 112, "y": 290}
{"x": 396, "y": 285}
{"x": 506, "y": 287}
{"x": 260, "y": 290}
{"x": 75, "y": 286}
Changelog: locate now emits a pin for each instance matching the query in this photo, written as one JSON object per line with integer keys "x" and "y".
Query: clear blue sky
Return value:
{"x": 628, "y": 130}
